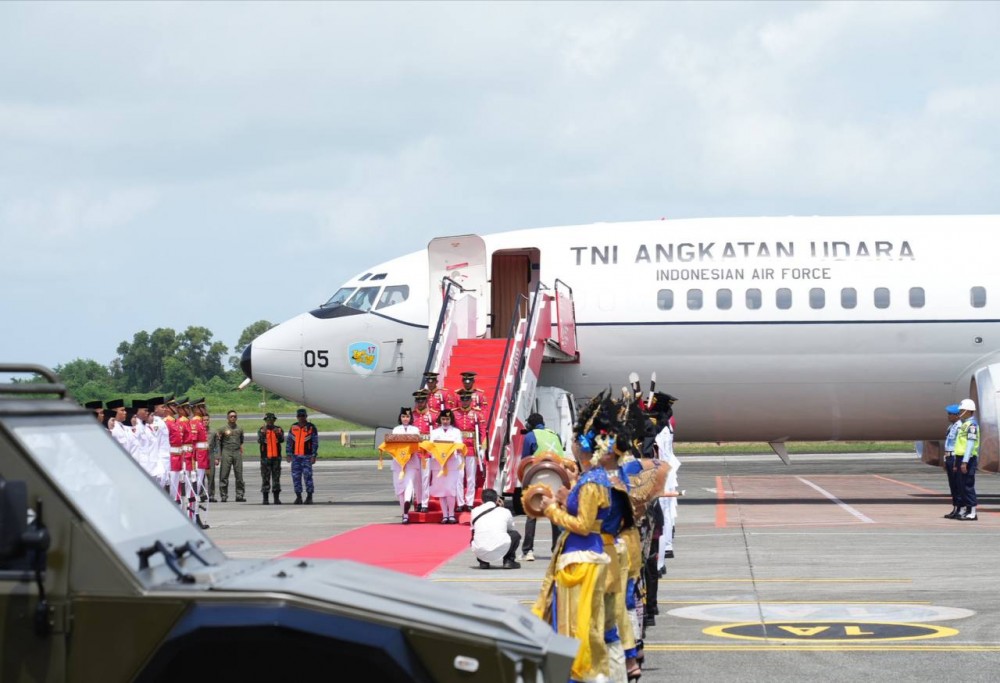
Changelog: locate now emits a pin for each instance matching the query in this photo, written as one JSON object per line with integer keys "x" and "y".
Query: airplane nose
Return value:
{"x": 245, "y": 362}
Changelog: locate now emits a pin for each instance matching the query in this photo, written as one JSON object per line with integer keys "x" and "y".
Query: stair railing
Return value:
{"x": 511, "y": 392}
{"x": 565, "y": 319}
{"x": 439, "y": 350}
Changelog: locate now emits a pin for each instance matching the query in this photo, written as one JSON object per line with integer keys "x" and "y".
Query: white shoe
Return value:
{"x": 528, "y": 556}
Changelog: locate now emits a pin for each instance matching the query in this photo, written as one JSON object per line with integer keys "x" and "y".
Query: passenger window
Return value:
{"x": 817, "y": 297}
{"x": 881, "y": 297}
{"x": 363, "y": 299}
{"x": 393, "y": 295}
{"x": 848, "y": 297}
{"x": 694, "y": 299}
{"x": 783, "y": 298}
{"x": 753, "y": 299}
{"x": 665, "y": 299}
{"x": 978, "y": 297}
{"x": 340, "y": 297}
{"x": 917, "y": 297}
{"x": 724, "y": 299}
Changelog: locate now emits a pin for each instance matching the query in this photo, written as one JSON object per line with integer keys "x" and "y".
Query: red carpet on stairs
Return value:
{"x": 416, "y": 549}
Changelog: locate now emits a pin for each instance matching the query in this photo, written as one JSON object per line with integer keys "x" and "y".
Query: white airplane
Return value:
{"x": 766, "y": 329}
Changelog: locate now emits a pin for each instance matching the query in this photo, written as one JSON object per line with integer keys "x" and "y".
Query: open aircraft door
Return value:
{"x": 515, "y": 275}
{"x": 463, "y": 259}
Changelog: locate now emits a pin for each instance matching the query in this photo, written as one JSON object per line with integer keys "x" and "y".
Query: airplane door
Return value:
{"x": 512, "y": 277}
{"x": 463, "y": 259}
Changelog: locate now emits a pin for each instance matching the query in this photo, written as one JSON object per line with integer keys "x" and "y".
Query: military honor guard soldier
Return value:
{"x": 472, "y": 424}
{"x": 424, "y": 419}
{"x": 479, "y": 401}
{"x": 438, "y": 398}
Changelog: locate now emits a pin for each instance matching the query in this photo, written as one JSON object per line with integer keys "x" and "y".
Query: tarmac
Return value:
{"x": 832, "y": 568}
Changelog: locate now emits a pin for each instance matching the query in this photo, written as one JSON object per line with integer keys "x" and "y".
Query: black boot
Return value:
{"x": 277, "y": 501}
{"x": 266, "y": 501}
{"x": 298, "y": 499}
{"x": 953, "y": 514}
{"x": 201, "y": 524}
{"x": 309, "y": 499}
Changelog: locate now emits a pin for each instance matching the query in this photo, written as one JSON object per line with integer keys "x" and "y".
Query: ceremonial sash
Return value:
{"x": 441, "y": 451}
{"x": 401, "y": 452}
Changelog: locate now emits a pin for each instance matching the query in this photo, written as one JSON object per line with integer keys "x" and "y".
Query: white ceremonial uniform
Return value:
{"x": 446, "y": 482}
{"x": 125, "y": 437}
{"x": 490, "y": 540}
{"x": 404, "y": 485}
{"x": 161, "y": 450}
{"x": 450, "y": 483}
{"x": 665, "y": 444}
{"x": 145, "y": 450}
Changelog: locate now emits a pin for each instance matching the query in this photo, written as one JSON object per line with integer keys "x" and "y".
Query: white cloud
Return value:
{"x": 347, "y": 133}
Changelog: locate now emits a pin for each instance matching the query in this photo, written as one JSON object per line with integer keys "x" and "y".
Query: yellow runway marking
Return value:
{"x": 837, "y": 580}
{"x": 783, "y": 647}
{"x": 458, "y": 579}
{"x": 792, "y": 602}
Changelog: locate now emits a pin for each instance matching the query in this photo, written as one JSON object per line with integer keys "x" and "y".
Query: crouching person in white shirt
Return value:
{"x": 494, "y": 538}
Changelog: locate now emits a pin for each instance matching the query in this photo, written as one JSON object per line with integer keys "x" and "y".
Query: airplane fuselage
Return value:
{"x": 767, "y": 329}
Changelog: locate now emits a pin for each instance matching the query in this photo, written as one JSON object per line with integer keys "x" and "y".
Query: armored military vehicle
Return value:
{"x": 103, "y": 578}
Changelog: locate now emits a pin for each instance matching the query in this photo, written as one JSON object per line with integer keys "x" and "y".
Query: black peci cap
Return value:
{"x": 93, "y": 405}
{"x": 115, "y": 404}
{"x": 155, "y": 401}
{"x": 139, "y": 403}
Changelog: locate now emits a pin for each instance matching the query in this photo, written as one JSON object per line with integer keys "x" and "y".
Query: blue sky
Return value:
{"x": 214, "y": 164}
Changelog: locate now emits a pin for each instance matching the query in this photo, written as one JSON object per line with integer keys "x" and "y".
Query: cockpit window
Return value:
{"x": 339, "y": 298}
{"x": 393, "y": 295}
{"x": 363, "y": 299}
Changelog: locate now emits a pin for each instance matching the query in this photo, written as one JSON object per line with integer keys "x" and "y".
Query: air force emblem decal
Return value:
{"x": 363, "y": 357}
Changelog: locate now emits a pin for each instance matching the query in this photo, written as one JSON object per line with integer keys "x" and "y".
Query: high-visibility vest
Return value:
{"x": 970, "y": 426}
{"x": 547, "y": 440}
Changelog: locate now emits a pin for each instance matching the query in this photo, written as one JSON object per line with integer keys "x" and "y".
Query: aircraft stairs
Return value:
{"x": 542, "y": 329}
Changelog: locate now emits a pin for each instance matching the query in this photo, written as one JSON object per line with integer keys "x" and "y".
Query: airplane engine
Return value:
{"x": 987, "y": 385}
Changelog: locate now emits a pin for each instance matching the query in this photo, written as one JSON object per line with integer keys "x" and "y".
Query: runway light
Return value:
{"x": 466, "y": 664}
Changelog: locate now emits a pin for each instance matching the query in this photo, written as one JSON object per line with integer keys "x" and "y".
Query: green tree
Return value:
{"x": 202, "y": 355}
{"x": 139, "y": 366}
{"x": 177, "y": 376}
{"x": 86, "y": 379}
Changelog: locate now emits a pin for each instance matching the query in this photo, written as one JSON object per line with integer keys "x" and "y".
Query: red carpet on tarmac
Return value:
{"x": 416, "y": 549}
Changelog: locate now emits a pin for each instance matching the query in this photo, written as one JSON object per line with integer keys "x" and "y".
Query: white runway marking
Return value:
{"x": 838, "y": 501}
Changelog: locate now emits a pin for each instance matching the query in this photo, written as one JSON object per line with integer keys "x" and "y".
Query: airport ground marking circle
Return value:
{"x": 821, "y": 633}
{"x": 825, "y": 611}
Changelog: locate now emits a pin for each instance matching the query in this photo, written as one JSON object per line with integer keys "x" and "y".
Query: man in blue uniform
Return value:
{"x": 949, "y": 460}
{"x": 967, "y": 458}
{"x": 301, "y": 447}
